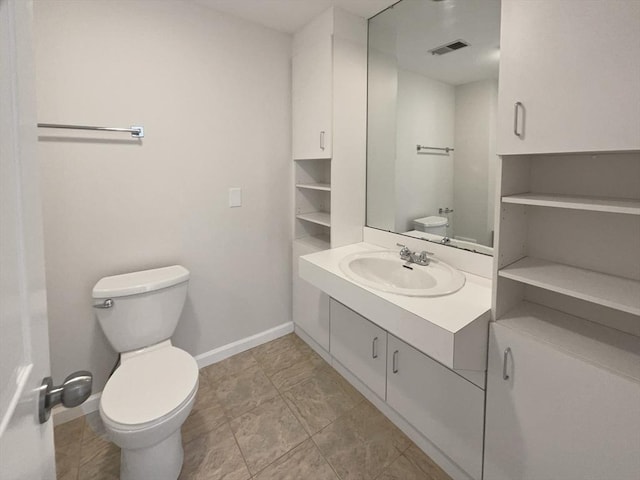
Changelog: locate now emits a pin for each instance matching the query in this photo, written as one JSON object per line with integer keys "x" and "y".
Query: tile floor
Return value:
{"x": 276, "y": 412}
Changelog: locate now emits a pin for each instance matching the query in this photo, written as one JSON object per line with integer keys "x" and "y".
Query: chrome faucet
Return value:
{"x": 407, "y": 255}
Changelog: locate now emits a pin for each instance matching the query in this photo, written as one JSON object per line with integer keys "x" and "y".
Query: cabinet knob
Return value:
{"x": 374, "y": 348}
{"x": 322, "y": 140}
{"x": 395, "y": 362}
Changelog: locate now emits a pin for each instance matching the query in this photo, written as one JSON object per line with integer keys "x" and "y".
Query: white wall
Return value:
{"x": 213, "y": 93}
{"x": 423, "y": 182}
{"x": 475, "y": 160}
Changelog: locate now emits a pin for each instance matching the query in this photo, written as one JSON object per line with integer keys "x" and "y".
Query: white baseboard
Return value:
{"x": 63, "y": 415}
{"x": 226, "y": 351}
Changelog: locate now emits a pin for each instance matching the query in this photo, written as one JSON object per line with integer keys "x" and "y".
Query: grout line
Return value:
{"x": 240, "y": 449}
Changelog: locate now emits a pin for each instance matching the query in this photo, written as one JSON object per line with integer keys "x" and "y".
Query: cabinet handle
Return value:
{"x": 374, "y": 348}
{"x": 322, "y": 140}
{"x": 516, "y": 107}
{"x": 395, "y": 362}
{"x": 505, "y": 359}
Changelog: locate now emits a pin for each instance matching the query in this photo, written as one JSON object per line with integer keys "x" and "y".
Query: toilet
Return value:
{"x": 150, "y": 395}
{"x": 434, "y": 225}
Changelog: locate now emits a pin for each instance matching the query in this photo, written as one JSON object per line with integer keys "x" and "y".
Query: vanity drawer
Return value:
{"x": 360, "y": 346}
{"x": 443, "y": 406}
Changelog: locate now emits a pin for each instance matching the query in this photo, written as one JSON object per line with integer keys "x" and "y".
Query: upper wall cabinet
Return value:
{"x": 312, "y": 93}
{"x": 569, "y": 76}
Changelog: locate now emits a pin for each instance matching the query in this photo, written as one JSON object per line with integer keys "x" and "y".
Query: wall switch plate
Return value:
{"x": 235, "y": 197}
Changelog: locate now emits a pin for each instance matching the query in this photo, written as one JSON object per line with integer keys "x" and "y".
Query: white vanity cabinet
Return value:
{"x": 552, "y": 415}
{"x": 312, "y": 92}
{"x": 569, "y": 72}
{"x": 443, "y": 406}
{"x": 360, "y": 346}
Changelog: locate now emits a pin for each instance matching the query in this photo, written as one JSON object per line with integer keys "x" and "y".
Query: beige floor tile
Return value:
{"x": 214, "y": 456}
{"x": 69, "y": 432}
{"x": 295, "y": 373}
{"x": 356, "y": 451}
{"x": 303, "y": 462}
{"x": 418, "y": 458}
{"x": 68, "y": 440}
{"x": 242, "y": 392}
{"x": 266, "y": 433}
{"x": 278, "y": 354}
{"x": 403, "y": 469}
{"x": 97, "y": 452}
{"x": 207, "y": 414}
{"x": 228, "y": 367}
{"x": 368, "y": 420}
{"x": 320, "y": 399}
{"x": 201, "y": 421}
{"x": 68, "y": 476}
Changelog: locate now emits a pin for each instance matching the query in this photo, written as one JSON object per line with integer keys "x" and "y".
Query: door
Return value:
{"x": 312, "y": 99}
{"x": 360, "y": 346}
{"x": 446, "y": 408}
{"x": 26, "y": 446}
{"x": 574, "y": 68}
{"x": 555, "y": 415}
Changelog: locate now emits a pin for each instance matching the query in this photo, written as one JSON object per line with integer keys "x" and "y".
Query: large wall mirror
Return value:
{"x": 432, "y": 101}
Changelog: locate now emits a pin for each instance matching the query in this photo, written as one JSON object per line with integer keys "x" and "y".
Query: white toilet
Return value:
{"x": 150, "y": 395}
{"x": 433, "y": 224}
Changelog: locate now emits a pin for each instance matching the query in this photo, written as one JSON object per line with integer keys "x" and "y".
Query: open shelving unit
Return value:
{"x": 313, "y": 203}
{"x": 568, "y": 267}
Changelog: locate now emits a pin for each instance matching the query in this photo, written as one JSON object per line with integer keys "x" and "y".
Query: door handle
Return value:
{"x": 374, "y": 348}
{"x": 516, "y": 107}
{"x": 75, "y": 389}
{"x": 322, "y": 140}
{"x": 395, "y": 362}
{"x": 505, "y": 359}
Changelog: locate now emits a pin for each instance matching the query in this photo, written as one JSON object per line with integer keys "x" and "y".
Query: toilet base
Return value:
{"x": 162, "y": 461}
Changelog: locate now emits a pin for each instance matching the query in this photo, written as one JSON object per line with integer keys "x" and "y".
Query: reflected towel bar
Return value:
{"x": 135, "y": 131}
{"x": 423, "y": 147}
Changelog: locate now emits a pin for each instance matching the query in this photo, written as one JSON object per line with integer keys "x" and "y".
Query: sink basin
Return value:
{"x": 384, "y": 270}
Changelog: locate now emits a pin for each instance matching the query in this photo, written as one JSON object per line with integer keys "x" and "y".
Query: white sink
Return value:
{"x": 384, "y": 270}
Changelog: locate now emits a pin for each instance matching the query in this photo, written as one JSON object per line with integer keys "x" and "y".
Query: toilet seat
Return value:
{"x": 149, "y": 387}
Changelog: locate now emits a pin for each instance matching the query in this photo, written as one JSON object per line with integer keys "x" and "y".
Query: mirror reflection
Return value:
{"x": 432, "y": 102}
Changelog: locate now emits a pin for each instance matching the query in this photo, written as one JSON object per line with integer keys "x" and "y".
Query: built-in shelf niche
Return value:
{"x": 313, "y": 202}
{"x": 570, "y": 225}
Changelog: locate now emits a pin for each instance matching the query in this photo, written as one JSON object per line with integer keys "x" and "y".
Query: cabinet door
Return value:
{"x": 557, "y": 416}
{"x": 574, "y": 65}
{"x": 310, "y": 307}
{"x": 360, "y": 346}
{"x": 443, "y": 406}
{"x": 312, "y": 99}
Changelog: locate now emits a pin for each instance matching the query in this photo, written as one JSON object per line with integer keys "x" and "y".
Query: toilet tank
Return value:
{"x": 433, "y": 224}
{"x": 145, "y": 306}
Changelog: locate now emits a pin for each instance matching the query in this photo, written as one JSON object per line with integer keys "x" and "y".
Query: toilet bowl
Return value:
{"x": 149, "y": 396}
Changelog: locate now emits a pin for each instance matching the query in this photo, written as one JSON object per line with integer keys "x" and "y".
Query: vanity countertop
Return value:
{"x": 452, "y": 328}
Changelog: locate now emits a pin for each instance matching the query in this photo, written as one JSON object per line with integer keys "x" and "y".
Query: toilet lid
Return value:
{"x": 149, "y": 386}
{"x": 432, "y": 221}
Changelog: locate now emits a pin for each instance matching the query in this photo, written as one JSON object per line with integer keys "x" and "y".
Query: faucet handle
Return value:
{"x": 404, "y": 250}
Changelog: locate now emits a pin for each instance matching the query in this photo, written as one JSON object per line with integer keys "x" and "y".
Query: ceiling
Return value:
{"x": 413, "y": 27}
{"x": 289, "y": 16}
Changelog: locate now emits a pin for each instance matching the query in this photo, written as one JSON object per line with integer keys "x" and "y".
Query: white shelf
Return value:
{"x": 615, "y": 292}
{"x": 320, "y": 218}
{"x": 603, "y": 346}
{"x": 325, "y": 187}
{"x": 315, "y": 242}
{"x": 594, "y": 204}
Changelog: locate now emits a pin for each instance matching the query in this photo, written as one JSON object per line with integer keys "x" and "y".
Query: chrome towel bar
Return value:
{"x": 135, "y": 131}
{"x": 441, "y": 149}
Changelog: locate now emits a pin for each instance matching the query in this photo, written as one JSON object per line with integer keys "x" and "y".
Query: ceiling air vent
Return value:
{"x": 449, "y": 47}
